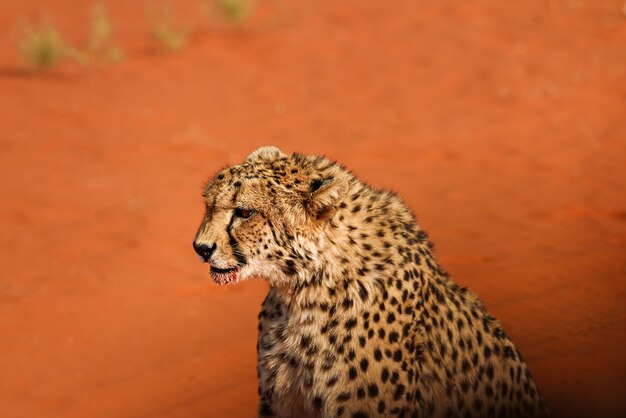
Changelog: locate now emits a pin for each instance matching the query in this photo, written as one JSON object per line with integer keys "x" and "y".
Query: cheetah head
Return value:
{"x": 268, "y": 217}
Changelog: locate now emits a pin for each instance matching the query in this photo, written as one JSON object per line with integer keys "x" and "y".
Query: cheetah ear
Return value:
{"x": 324, "y": 196}
{"x": 266, "y": 153}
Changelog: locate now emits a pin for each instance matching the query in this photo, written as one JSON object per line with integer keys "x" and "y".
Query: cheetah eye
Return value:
{"x": 243, "y": 213}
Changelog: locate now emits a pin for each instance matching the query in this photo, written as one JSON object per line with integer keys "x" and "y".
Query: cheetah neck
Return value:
{"x": 371, "y": 246}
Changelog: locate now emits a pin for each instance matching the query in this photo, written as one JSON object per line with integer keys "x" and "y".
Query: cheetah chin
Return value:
{"x": 224, "y": 276}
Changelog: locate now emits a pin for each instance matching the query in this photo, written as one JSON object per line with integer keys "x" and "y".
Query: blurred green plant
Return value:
{"x": 168, "y": 37}
{"x": 101, "y": 30}
{"x": 234, "y": 12}
{"x": 42, "y": 46}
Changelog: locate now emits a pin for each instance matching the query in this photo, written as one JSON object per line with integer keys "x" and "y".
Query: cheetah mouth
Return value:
{"x": 224, "y": 276}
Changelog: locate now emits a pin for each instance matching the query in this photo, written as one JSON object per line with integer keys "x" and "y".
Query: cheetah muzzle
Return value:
{"x": 359, "y": 320}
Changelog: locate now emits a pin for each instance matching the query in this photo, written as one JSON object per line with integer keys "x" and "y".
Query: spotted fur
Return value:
{"x": 360, "y": 320}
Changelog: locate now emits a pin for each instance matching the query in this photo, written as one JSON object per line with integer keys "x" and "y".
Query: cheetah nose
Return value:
{"x": 204, "y": 251}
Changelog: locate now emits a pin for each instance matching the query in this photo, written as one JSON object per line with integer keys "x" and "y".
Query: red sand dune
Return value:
{"x": 502, "y": 124}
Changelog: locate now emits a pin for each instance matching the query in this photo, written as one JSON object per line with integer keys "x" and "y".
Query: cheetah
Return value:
{"x": 359, "y": 320}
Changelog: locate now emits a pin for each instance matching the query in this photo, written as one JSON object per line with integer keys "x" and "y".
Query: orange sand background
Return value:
{"x": 502, "y": 124}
